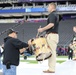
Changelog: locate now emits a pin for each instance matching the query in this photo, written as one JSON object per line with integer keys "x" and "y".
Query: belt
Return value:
{"x": 52, "y": 33}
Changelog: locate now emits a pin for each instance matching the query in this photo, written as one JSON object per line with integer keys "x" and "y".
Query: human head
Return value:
{"x": 12, "y": 33}
{"x": 74, "y": 29}
{"x": 51, "y": 7}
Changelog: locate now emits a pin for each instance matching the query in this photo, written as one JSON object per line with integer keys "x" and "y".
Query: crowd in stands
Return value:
{"x": 61, "y": 50}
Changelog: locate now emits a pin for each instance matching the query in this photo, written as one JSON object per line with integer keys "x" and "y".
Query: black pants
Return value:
{"x": 70, "y": 56}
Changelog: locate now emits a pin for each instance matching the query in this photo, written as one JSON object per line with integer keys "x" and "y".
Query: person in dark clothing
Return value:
{"x": 52, "y": 36}
{"x": 12, "y": 49}
{"x": 70, "y": 53}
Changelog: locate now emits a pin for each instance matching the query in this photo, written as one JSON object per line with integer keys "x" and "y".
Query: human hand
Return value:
{"x": 40, "y": 30}
{"x": 29, "y": 42}
{"x": 46, "y": 35}
{"x": 74, "y": 29}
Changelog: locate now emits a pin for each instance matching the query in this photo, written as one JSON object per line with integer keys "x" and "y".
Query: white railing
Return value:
{"x": 7, "y": 1}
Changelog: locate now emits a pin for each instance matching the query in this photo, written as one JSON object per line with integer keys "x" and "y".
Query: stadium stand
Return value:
{"x": 34, "y": 14}
{"x": 26, "y": 8}
{"x": 28, "y": 30}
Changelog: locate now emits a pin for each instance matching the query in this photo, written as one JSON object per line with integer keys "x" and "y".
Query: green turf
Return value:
{"x": 30, "y": 61}
{"x": 62, "y": 56}
{"x": 35, "y": 62}
{"x": 60, "y": 61}
{"x": 33, "y": 56}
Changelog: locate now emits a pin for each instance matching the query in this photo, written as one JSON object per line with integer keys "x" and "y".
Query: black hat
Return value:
{"x": 11, "y": 31}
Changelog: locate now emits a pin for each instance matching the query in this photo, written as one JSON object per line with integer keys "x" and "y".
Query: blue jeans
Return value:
{"x": 11, "y": 71}
{"x": 0, "y": 64}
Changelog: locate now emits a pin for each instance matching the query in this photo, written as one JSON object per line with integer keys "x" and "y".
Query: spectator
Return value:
{"x": 70, "y": 52}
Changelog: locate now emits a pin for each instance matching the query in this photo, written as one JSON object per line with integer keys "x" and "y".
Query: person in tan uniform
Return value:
{"x": 52, "y": 36}
{"x": 74, "y": 43}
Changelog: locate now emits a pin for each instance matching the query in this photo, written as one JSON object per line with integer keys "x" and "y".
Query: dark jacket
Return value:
{"x": 11, "y": 50}
{"x": 70, "y": 51}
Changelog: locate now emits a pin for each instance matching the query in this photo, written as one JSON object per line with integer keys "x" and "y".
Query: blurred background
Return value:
{"x": 25, "y": 16}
